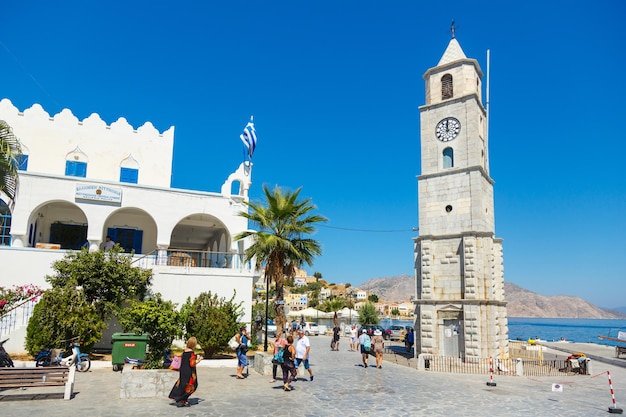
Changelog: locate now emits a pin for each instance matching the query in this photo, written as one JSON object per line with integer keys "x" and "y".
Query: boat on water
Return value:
{"x": 621, "y": 338}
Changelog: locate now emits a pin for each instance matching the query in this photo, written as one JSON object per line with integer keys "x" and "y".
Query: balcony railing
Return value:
{"x": 193, "y": 259}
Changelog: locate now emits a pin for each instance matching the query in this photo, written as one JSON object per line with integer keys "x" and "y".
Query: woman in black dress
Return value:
{"x": 187, "y": 382}
{"x": 289, "y": 369}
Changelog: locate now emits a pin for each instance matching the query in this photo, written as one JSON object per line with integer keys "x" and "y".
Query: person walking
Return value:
{"x": 242, "y": 360}
{"x": 365, "y": 344}
{"x": 187, "y": 382}
{"x": 279, "y": 345}
{"x": 289, "y": 368}
{"x": 303, "y": 348}
{"x": 353, "y": 338}
{"x": 378, "y": 344}
{"x": 336, "y": 337}
{"x": 409, "y": 339}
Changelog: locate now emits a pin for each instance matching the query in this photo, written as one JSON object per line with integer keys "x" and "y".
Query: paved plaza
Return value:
{"x": 342, "y": 387}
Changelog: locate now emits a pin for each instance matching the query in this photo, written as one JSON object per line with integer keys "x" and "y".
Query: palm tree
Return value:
{"x": 10, "y": 150}
{"x": 279, "y": 244}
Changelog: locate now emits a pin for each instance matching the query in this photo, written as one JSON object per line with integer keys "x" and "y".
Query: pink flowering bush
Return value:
{"x": 11, "y": 297}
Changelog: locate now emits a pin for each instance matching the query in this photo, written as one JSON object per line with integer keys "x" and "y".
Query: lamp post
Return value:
{"x": 267, "y": 304}
{"x": 317, "y": 276}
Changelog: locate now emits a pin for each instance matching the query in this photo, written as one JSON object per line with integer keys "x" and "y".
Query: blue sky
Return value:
{"x": 335, "y": 87}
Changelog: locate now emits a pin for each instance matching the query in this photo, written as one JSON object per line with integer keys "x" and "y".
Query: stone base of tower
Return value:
{"x": 460, "y": 309}
{"x": 462, "y": 330}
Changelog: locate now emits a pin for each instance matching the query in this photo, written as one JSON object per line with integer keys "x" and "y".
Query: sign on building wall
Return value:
{"x": 98, "y": 193}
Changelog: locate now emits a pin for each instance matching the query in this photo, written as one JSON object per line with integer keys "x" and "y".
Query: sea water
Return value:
{"x": 572, "y": 330}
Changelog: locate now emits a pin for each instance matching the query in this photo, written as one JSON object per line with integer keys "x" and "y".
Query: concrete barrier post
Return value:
{"x": 263, "y": 363}
{"x": 420, "y": 362}
{"x": 519, "y": 367}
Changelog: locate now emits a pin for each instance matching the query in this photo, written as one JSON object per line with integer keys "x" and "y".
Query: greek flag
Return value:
{"x": 248, "y": 137}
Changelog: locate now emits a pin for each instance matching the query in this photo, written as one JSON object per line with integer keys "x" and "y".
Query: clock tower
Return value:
{"x": 460, "y": 307}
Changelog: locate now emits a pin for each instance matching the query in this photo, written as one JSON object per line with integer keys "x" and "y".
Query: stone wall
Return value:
{"x": 147, "y": 383}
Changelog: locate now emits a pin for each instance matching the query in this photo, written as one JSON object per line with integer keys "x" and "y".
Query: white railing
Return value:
{"x": 17, "y": 317}
{"x": 193, "y": 259}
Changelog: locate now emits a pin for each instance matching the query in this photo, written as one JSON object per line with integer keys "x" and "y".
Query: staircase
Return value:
{"x": 13, "y": 326}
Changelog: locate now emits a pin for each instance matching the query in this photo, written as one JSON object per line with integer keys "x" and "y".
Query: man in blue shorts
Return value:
{"x": 303, "y": 347}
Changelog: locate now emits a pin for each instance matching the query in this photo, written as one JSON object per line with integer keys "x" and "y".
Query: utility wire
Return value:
{"x": 23, "y": 68}
{"x": 414, "y": 229}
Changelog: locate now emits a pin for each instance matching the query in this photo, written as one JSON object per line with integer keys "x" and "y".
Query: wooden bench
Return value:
{"x": 39, "y": 377}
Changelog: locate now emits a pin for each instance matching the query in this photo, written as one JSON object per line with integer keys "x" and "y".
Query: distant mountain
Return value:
{"x": 524, "y": 303}
{"x": 392, "y": 289}
{"x": 520, "y": 302}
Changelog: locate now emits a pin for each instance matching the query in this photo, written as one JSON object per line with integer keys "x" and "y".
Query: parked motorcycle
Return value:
{"x": 49, "y": 357}
{"x": 140, "y": 363}
{"x": 5, "y": 359}
{"x": 54, "y": 357}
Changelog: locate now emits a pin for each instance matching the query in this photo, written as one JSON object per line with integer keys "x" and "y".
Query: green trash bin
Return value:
{"x": 128, "y": 345}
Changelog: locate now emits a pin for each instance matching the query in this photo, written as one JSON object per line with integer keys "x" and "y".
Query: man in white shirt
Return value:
{"x": 303, "y": 347}
{"x": 108, "y": 244}
{"x": 362, "y": 341}
{"x": 353, "y": 338}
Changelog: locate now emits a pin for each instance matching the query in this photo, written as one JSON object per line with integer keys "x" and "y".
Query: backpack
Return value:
{"x": 279, "y": 357}
{"x": 367, "y": 344}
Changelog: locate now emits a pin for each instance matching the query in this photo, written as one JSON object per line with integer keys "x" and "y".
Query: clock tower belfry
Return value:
{"x": 460, "y": 307}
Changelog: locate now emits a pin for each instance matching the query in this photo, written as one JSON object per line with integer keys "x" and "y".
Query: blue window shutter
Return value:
{"x": 22, "y": 162}
{"x": 129, "y": 175}
{"x": 137, "y": 241}
{"x": 111, "y": 231}
{"x": 75, "y": 169}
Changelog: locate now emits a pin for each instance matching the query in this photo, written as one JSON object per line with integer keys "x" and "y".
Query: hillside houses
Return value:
{"x": 298, "y": 298}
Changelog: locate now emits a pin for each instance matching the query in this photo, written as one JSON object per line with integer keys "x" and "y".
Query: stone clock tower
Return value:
{"x": 460, "y": 308}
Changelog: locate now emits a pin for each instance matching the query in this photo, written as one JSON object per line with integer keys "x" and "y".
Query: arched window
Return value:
{"x": 76, "y": 163}
{"x": 448, "y": 158}
{"x": 129, "y": 170}
{"x": 447, "y": 90}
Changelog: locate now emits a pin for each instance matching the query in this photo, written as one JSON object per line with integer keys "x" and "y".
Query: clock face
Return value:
{"x": 447, "y": 129}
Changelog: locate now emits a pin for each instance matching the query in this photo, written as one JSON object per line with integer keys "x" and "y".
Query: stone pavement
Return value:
{"x": 342, "y": 387}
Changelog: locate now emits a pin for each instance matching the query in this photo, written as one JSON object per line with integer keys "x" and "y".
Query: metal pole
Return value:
{"x": 317, "y": 280}
{"x": 267, "y": 304}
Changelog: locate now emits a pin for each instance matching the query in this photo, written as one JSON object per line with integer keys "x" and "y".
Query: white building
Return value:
{"x": 83, "y": 180}
{"x": 459, "y": 307}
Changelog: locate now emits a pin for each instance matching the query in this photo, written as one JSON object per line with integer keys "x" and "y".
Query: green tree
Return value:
{"x": 87, "y": 288}
{"x": 258, "y": 310}
{"x": 107, "y": 279}
{"x": 212, "y": 320}
{"x": 373, "y": 298}
{"x": 334, "y": 305}
{"x": 10, "y": 151}
{"x": 395, "y": 312}
{"x": 62, "y": 315}
{"x": 368, "y": 314}
{"x": 280, "y": 243}
{"x": 156, "y": 317}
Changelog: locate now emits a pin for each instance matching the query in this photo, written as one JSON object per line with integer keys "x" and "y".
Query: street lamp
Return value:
{"x": 267, "y": 303}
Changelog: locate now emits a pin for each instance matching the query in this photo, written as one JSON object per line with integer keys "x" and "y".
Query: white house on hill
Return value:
{"x": 81, "y": 180}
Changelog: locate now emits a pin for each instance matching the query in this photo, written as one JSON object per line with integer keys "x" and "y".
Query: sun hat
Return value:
{"x": 377, "y": 332}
